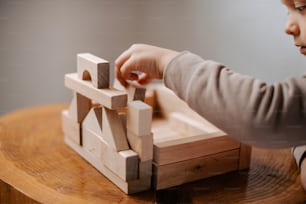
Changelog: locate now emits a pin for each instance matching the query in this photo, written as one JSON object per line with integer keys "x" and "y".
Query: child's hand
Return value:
{"x": 142, "y": 63}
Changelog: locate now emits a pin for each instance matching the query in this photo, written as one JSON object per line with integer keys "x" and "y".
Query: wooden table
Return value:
{"x": 36, "y": 166}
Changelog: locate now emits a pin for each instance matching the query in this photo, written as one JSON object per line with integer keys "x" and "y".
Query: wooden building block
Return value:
{"x": 142, "y": 144}
{"x": 79, "y": 107}
{"x": 93, "y": 121}
{"x": 174, "y": 174}
{"x": 190, "y": 147}
{"x": 97, "y": 68}
{"x": 145, "y": 169}
{"x": 71, "y": 127}
{"x": 244, "y": 156}
{"x": 139, "y": 118}
{"x": 112, "y": 130}
{"x": 136, "y": 93}
{"x": 128, "y": 187}
{"x": 111, "y": 98}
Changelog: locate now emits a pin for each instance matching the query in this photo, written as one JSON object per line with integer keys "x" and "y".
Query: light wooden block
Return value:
{"x": 71, "y": 127}
{"x": 113, "y": 131}
{"x": 139, "y": 118}
{"x": 97, "y": 68}
{"x": 110, "y": 98}
{"x": 79, "y": 107}
{"x": 174, "y": 174}
{"x": 142, "y": 144}
{"x": 188, "y": 147}
{"x": 93, "y": 121}
{"x": 136, "y": 93}
{"x": 124, "y": 163}
{"x": 128, "y": 187}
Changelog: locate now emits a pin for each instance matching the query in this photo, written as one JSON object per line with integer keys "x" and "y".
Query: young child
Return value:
{"x": 250, "y": 110}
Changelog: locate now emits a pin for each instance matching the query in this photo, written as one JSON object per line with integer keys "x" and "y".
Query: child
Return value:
{"x": 250, "y": 110}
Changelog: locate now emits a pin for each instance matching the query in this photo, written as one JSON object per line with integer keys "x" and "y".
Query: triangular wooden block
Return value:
{"x": 113, "y": 131}
{"x": 93, "y": 121}
{"x": 79, "y": 107}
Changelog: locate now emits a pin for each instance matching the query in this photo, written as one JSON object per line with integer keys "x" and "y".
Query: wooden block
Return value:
{"x": 71, "y": 127}
{"x": 150, "y": 98}
{"x": 142, "y": 144}
{"x": 185, "y": 148}
{"x": 136, "y": 93}
{"x": 145, "y": 169}
{"x": 139, "y": 118}
{"x": 124, "y": 163}
{"x": 187, "y": 125}
{"x": 93, "y": 121}
{"x": 110, "y": 98}
{"x": 92, "y": 142}
{"x": 112, "y": 130}
{"x": 79, "y": 107}
{"x": 97, "y": 68}
{"x": 174, "y": 174}
{"x": 129, "y": 187}
{"x": 244, "y": 156}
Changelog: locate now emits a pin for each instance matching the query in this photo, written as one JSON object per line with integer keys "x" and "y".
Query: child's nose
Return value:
{"x": 292, "y": 28}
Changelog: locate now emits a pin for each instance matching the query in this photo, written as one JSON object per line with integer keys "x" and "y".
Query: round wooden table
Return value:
{"x": 36, "y": 166}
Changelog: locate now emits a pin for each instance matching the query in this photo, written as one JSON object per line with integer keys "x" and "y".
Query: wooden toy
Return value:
{"x": 143, "y": 138}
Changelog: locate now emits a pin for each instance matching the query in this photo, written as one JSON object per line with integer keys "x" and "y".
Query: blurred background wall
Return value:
{"x": 39, "y": 39}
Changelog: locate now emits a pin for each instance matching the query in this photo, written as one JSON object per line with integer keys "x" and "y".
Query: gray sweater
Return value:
{"x": 248, "y": 109}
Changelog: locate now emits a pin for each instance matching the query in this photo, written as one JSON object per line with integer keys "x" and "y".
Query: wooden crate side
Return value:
{"x": 174, "y": 174}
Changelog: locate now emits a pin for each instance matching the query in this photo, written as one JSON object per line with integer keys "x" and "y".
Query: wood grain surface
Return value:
{"x": 36, "y": 166}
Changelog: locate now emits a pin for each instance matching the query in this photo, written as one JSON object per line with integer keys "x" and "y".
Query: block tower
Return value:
{"x": 110, "y": 128}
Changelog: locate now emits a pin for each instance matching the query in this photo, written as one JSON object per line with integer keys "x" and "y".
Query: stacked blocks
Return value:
{"x": 113, "y": 130}
{"x": 117, "y": 143}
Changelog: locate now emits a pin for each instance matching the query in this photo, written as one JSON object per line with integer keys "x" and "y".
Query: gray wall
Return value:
{"x": 39, "y": 39}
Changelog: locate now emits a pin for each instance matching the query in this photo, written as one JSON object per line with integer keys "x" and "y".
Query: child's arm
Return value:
{"x": 248, "y": 109}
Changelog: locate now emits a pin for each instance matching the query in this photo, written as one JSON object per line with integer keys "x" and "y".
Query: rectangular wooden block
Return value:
{"x": 113, "y": 131}
{"x": 97, "y": 68}
{"x": 124, "y": 163}
{"x": 93, "y": 121}
{"x": 174, "y": 174}
{"x": 139, "y": 118}
{"x": 192, "y": 147}
{"x": 128, "y": 187}
{"x": 142, "y": 144}
{"x": 110, "y": 98}
{"x": 71, "y": 127}
{"x": 136, "y": 93}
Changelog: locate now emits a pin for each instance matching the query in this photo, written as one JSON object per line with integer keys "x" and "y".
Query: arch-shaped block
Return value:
{"x": 97, "y": 68}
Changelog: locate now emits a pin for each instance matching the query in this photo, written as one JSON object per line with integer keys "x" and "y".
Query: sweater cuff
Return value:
{"x": 299, "y": 153}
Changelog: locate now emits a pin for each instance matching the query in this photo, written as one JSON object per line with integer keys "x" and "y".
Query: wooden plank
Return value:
{"x": 97, "y": 68}
{"x": 127, "y": 187}
{"x": 192, "y": 147}
{"x": 139, "y": 118}
{"x": 244, "y": 156}
{"x": 71, "y": 127}
{"x": 174, "y": 174}
{"x": 142, "y": 144}
{"x": 113, "y": 131}
{"x": 110, "y": 98}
